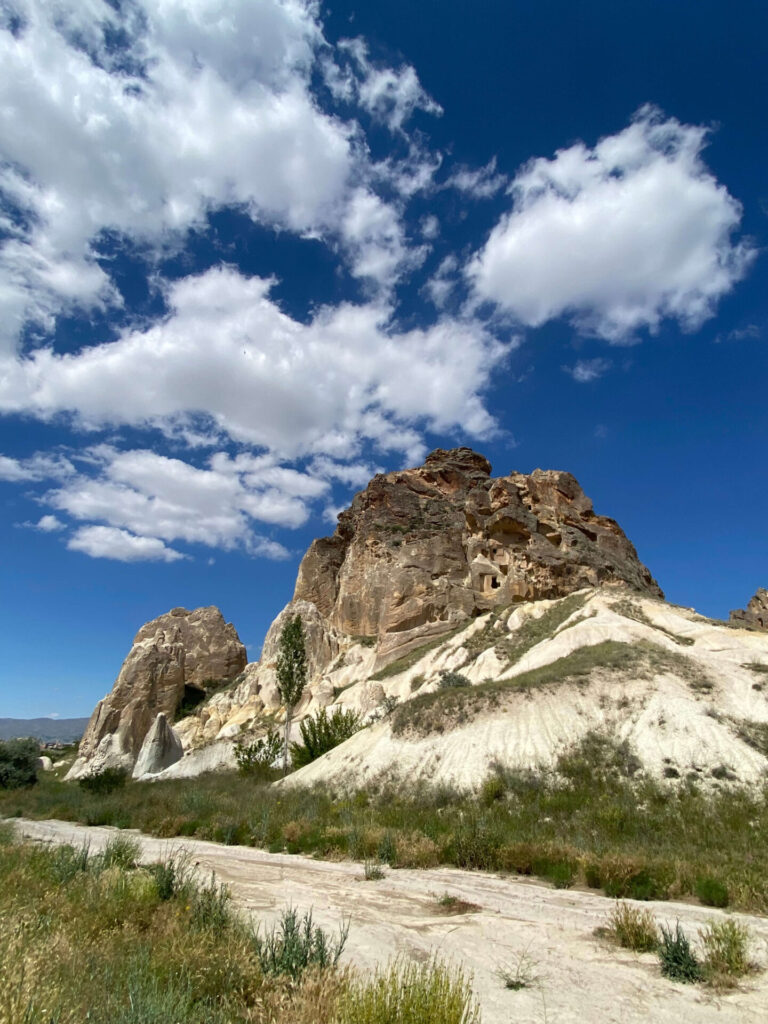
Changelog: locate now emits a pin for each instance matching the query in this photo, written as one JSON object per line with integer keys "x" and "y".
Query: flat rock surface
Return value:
{"x": 580, "y": 978}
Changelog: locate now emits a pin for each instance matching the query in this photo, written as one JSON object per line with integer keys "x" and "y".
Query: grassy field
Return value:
{"x": 101, "y": 939}
{"x": 595, "y": 822}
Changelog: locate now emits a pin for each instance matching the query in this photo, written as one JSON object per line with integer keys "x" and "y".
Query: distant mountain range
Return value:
{"x": 47, "y": 730}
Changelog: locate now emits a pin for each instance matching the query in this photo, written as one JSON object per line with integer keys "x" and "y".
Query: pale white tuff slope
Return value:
{"x": 581, "y": 979}
{"x": 691, "y": 698}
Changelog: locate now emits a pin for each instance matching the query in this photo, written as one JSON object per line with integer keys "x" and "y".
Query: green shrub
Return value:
{"x": 372, "y": 870}
{"x": 172, "y": 877}
{"x": 449, "y": 680}
{"x": 104, "y": 782}
{"x": 211, "y": 906}
{"x": 633, "y": 928}
{"x": 18, "y": 763}
{"x": 66, "y": 862}
{"x": 476, "y": 844}
{"x": 294, "y": 944}
{"x": 410, "y": 993}
{"x": 322, "y": 733}
{"x": 258, "y": 757}
{"x": 492, "y": 790}
{"x": 387, "y": 851}
{"x": 626, "y": 878}
{"x": 560, "y": 871}
{"x": 678, "y": 961}
{"x": 120, "y": 852}
{"x": 726, "y": 952}
{"x": 711, "y": 892}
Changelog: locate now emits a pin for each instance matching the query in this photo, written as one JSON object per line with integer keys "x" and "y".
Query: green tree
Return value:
{"x": 18, "y": 763}
{"x": 322, "y": 733}
{"x": 291, "y": 673}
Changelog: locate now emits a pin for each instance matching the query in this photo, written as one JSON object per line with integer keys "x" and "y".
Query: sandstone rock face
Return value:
{"x": 173, "y": 654}
{"x": 422, "y": 549}
{"x": 756, "y": 612}
{"x": 161, "y": 748}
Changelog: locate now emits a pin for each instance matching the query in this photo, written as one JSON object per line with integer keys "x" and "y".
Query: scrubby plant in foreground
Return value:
{"x": 633, "y": 928}
{"x": 122, "y": 944}
{"x": 726, "y": 952}
{"x": 678, "y": 961}
{"x": 296, "y": 943}
{"x": 409, "y": 993}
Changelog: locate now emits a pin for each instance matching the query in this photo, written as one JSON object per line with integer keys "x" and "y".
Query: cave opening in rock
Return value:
{"x": 192, "y": 696}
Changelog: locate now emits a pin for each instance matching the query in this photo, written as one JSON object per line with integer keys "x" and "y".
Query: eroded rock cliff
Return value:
{"x": 421, "y": 549}
{"x": 177, "y": 655}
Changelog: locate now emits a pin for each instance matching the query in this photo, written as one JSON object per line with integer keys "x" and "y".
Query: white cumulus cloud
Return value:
{"x": 200, "y": 105}
{"x": 227, "y": 353}
{"x": 109, "y": 542}
{"x": 616, "y": 237}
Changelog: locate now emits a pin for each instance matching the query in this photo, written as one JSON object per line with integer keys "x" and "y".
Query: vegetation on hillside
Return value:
{"x": 441, "y": 710}
{"x": 18, "y": 763}
{"x": 322, "y": 732}
{"x": 99, "y": 938}
{"x": 595, "y": 819}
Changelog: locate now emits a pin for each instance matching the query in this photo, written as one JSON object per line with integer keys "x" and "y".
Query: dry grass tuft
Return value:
{"x": 633, "y": 928}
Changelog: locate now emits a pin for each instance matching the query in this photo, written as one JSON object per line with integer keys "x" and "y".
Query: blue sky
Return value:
{"x": 252, "y": 252}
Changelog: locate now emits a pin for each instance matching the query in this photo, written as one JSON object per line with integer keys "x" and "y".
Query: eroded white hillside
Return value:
{"x": 688, "y": 694}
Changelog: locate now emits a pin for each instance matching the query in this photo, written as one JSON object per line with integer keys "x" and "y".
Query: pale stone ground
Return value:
{"x": 581, "y": 979}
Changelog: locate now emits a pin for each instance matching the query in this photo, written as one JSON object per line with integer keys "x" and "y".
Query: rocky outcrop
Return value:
{"x": 180, "y": 654}
{"x": 161, "y": 748}
{"x": 419, "y": 550}
{"x": 755, "y": 615}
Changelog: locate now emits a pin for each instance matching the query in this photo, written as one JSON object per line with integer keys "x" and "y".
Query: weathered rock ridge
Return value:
{"x": 756, "y": 612}
{"x": 421, "y": 549}
{"x": 177, "y": 654}
{"x": 419, "y": 553}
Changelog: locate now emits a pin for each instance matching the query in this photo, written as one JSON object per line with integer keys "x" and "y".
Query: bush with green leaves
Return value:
{"x": 449, "y": 680}
{"x": 726, "y": 952}
{"x": 121, "y": 852}
{"x": 295, "y": 944}
{"x": 678, "y": 961}
{"x": 322, "y": 733}
{"x": 712, "y": 892}
{"x": 18, "y": 763}
{"x": 259, "y": 756}
{"x": 104, "y": 782}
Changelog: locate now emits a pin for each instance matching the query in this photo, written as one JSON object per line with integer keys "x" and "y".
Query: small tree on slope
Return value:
{"x": 291, "y": 673}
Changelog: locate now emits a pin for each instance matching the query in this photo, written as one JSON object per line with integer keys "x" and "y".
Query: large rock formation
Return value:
{"x": 419, "y": 552}
{"x": 422, "y": 549}
{"x": 180, "y": 654}
{"x": 756, "y": 612}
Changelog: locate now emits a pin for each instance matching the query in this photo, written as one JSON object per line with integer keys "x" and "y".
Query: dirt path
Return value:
{"x": 581, "y": 979}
